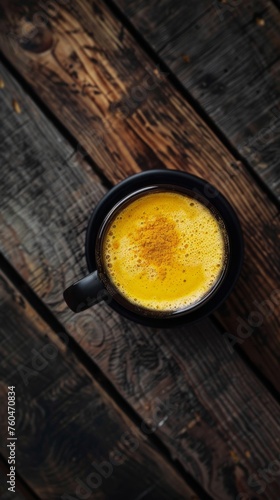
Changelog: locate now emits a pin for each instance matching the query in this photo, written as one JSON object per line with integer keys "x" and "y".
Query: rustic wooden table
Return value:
{"x": 92, "y": 91}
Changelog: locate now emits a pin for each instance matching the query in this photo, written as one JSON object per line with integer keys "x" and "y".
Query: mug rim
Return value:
{"x": 192, "y": 183}
{"x": 112, "y": 288}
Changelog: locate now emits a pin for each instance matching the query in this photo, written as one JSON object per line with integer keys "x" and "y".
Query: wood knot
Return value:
{"x": 35, "y": 39}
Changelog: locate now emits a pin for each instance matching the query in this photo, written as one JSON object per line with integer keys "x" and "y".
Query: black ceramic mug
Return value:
{"x": 98, "y": 287}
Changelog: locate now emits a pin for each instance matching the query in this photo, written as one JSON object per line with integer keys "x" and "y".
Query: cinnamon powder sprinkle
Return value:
{"x": 160, "y": 250}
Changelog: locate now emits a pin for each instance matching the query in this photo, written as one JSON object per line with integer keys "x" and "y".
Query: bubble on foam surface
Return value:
{"x": 148, "y": 265}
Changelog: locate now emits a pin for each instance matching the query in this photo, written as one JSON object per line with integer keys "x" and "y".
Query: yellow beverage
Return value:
{"x": 164, "y": 251}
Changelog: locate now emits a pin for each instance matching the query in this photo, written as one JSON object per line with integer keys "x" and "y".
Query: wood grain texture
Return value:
{"x": 227, "y": 55}
{"x": 67, "y": 426}
{"x": 206, "y": 406}
{"x": 106, "y": 91}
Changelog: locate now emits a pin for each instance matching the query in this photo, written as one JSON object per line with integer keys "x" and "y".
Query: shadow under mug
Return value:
{"x": 97, "y": 286}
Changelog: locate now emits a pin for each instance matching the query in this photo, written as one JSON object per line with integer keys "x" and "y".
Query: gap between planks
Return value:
{"x": 51, "y": 116}
{"x": 38, "y": 305}
{"x": 152, "y": 54}
{"x": 174, "y": 80}
{"x": 47, "y": 316}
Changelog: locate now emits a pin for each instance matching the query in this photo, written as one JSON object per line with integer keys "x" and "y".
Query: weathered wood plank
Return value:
{"x": 226, "y": 54}
{"x": 205, "y": 405}
{"x": 67, "y": 426}
{"x": 106, "y": 91}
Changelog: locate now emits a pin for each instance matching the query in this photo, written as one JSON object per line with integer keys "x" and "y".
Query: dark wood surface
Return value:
{"x": 90, "y": 77}
{"x": 227, "y": 56}
{"x": 211, "y": 412}
{"x": 59, "y": 411}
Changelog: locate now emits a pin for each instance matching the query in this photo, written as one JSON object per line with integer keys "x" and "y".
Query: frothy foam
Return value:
{"x": 164, "y": 251}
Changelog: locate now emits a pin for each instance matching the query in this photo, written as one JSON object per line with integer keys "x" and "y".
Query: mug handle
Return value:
{"x": 85, "y": 293}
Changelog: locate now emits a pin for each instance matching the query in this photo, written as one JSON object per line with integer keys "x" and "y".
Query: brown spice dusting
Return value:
{"x": 16, "y": 106}
{"x": 247, "y": 454}
{"x": 157, "y": 241}
{"x": 2, "y": 83}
